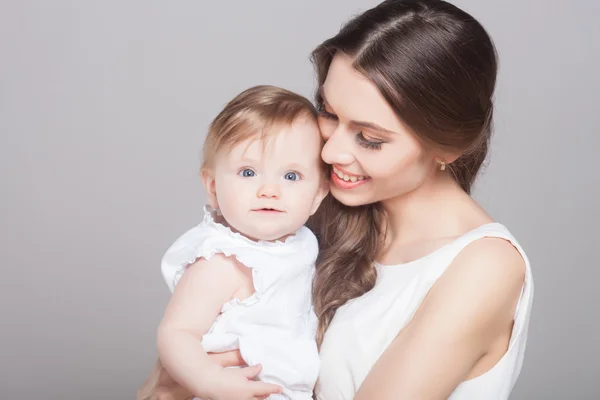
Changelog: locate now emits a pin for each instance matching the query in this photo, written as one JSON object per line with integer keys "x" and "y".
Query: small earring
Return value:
{"x": 442, "y": 165}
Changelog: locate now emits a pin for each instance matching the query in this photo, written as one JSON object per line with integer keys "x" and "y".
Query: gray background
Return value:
{"x": 103, "y": 109}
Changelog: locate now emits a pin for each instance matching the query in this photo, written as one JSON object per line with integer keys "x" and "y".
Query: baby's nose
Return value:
{"x": 269, "y": 191}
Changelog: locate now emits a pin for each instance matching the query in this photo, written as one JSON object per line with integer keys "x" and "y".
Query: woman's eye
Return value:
{"x": 326, "y": 114}
{"x": 368, "y": 144}
{"x": 247, "y": 173}
{"x": 291, "y": 176}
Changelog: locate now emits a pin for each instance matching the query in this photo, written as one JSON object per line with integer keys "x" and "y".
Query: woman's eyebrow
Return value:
{"x": 370, "y": 125}
{"x": 363, "y": 124}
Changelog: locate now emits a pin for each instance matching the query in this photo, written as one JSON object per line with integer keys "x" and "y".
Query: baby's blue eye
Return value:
{"x": 291, "y": 176}
{"x": 247, "y": 173}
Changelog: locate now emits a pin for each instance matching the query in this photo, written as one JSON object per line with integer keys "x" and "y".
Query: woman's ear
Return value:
{"x": 208, "y": 180}
{"x": 443, "y": 159}
{"x": 448, "y": 157}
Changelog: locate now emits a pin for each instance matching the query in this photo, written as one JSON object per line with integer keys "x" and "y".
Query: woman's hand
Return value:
{"x": 160, "y": 386}
{"x": 240, "y": 384}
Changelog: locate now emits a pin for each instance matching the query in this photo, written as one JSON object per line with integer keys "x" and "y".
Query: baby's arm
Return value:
{"x": 196, "y": 302}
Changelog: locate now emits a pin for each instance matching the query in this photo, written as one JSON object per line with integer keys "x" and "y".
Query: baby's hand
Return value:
{"x": 238, "y": 384}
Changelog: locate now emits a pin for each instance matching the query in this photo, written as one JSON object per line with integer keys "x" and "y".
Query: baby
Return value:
{"x": 242, "y": 278}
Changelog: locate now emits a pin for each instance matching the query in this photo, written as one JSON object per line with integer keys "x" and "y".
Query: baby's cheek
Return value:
{"x": 232, "y": 201}
{"x": 303, "y": 202}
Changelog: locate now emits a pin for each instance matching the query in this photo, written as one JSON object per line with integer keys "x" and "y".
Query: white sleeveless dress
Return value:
{"x": 363, "y": 328}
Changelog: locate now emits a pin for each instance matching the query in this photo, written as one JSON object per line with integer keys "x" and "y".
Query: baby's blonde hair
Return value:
{"x": 254, "y": 113}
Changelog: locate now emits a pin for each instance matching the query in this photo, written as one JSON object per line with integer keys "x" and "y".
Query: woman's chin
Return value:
{"x": 350, "y": 198}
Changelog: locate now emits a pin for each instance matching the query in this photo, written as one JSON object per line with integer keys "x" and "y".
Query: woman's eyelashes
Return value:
{"x": 326, "y": 114}
{"x": 370, "y": 144}
{"x": 361, "y": 140}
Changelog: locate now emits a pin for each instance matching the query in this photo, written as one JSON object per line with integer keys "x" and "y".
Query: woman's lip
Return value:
{"x": 346, "y": 184}
{"x": 344, "y": 171}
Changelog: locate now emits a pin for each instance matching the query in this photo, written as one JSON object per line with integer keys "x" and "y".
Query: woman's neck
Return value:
{"x": 437, "y": 209}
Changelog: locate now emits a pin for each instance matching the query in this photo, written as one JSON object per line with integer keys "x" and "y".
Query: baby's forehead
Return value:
{"x": 298, "y": 139}
{"x": 279, "y": 149}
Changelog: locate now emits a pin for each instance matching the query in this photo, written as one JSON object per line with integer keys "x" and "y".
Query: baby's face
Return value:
{"x": 268, "y": 190}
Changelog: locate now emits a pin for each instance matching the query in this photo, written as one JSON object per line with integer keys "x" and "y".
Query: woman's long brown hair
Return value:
{"x": 436, "y": 66}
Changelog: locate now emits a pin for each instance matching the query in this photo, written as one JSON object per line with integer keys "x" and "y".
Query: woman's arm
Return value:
{"x": 194, "y": 306}
{"x": 159, "y": 385}
{"x": 470, "y": 307}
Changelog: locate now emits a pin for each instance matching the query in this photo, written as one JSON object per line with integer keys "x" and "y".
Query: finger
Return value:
{"x": 164, "y": 379}
{"x": 173, "y": 392}
{"x": 231, "y": 358}
{"x": 250, "y": 372}
{"x": 152, "y": 382}
{"x": 264, "y": 389}
{"x": 164, "y": 394}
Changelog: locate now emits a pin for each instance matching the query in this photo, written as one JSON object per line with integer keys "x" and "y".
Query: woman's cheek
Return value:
{"x": 326, "y": 127}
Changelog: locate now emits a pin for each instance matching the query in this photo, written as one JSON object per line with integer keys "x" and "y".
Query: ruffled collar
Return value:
{"x": 210, "y": 220}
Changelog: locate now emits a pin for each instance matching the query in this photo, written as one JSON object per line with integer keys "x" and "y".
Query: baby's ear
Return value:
{"x": 321, "y": 193}
{"x": 208, "y": 180}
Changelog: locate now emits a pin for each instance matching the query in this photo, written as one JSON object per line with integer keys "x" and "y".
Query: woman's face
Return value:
{"x": 374, "y": 155}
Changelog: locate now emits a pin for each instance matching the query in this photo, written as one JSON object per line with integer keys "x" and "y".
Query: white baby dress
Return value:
{"x": 276, "y": 326}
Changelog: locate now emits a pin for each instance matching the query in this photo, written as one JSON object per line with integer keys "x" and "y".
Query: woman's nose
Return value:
{"x": 338, "y": 148}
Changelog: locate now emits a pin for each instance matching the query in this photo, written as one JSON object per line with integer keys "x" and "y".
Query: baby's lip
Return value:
{"x": 267, "y": 209}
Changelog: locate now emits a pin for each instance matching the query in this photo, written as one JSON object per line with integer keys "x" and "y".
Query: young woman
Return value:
{"x": 419, "y": 293}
